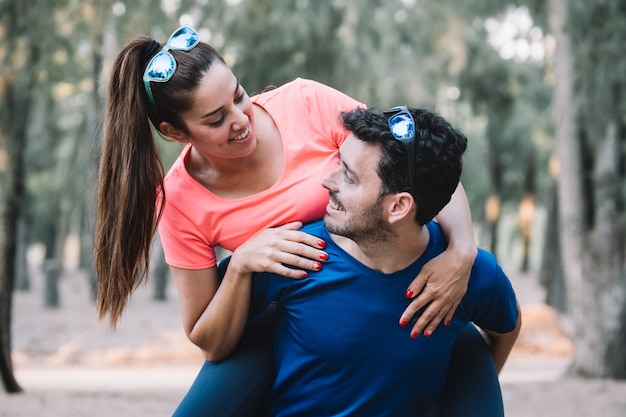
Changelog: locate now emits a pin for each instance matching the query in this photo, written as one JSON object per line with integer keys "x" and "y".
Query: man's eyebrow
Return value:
{"x": 352, "y": 173}
{"x": 342, "y": 161}
{"x": 211, "y": 113}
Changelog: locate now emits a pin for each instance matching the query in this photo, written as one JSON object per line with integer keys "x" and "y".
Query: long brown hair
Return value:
{"x": 131, "y": 171}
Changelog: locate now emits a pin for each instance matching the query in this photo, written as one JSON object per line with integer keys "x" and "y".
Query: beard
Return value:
{"x": 366, "y": 226}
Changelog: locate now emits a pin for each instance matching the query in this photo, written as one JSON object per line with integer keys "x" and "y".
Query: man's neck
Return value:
{"x": 391, "y": 254}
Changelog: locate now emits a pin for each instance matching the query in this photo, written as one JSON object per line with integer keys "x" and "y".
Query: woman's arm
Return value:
{"x": 501, "y": 344}
{"x": 442, "y": 282}
{"x": 215, "y": 313}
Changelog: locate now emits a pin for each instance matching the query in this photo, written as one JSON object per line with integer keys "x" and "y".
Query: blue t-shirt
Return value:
{"x": 339, "y": 348}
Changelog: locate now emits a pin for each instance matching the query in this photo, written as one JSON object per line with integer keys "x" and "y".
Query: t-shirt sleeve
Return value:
{"x": 267, "y": 288}
{"x": 493, "y": 304}
{"x": 183, "y": 244}
{"x": 324, "y": 104}
{"x": 314, "y": 106}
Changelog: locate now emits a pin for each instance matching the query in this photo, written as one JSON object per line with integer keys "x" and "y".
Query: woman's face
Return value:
{"x": 221, "y": 122}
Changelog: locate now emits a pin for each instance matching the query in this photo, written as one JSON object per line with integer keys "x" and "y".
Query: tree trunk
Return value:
{"x": 551, "y": 270}
{"x": 16, "y": 146}
{"x": 604, "y": 302}
{"x": 22, "y": 274}
{"x": 51, "y": 265}
{"x": 159, "y": 271}
{"x": 571, "y": 222}
{"x": 18, "y": 105}
{"x": 591, "y": 231}
{"x": 94, "y": 131}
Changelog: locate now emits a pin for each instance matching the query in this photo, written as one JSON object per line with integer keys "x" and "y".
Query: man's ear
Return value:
{"x": 170, "y": 131}
{"x": 400, "y": 207}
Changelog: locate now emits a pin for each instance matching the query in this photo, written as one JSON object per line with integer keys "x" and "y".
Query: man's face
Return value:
{"x": 355, "y": 209}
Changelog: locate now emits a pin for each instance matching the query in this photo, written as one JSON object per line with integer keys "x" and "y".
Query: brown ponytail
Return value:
{"x": 131, "y": 171}
{"x": 131, "y": 175}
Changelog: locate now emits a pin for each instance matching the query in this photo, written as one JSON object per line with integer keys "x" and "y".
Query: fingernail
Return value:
{"x": 304, "y": 275}
{"x": 414, "y": 335}
{"x": 317, "y": 266}
{"x": 324, "y": 256}
{"x": 427, "y": 333}
{"x": 409, "y": 293}
{"x": 403, "y": 323}
{"x": 321, "y": 244}
{"x": 447, "y": 323}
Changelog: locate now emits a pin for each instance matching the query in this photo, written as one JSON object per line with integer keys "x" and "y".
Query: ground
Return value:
{"x": 70, "y": 365}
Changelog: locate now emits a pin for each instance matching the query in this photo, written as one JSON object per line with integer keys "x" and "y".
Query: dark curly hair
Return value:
{"x": 438, "y": 151}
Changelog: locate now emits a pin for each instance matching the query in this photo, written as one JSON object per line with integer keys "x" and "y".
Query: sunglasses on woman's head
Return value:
{"x": 163, "y": 65}
{"x": 402, "y": 127}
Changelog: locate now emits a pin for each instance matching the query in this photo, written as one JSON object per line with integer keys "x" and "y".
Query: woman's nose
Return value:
{"x": 240, "y": 118}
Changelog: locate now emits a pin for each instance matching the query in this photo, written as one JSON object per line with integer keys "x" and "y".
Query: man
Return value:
{"x": 339, "y": 347}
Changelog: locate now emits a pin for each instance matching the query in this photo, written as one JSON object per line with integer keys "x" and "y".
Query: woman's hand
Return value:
{"x": 439, "y": 288}
{"x": 275, "y": 249}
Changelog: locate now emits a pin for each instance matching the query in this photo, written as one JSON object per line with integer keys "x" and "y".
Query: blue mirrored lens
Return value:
{"x": 161, "y": 67}
{"x": 402, "y": 126}
{"x": 183, "y": 39}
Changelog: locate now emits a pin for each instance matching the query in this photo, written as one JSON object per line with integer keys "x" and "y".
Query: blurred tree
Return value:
{"x": 159, "y": 271}
{"x": 24, "y": 30}
{"x": 590, "y": 121}
{"x": 551, "y": 269}
{"x": 384, "y": 53}
{"x": 94, "y": 15}
{"x": 272, "y": 41}
{"x": 510, "y": 96}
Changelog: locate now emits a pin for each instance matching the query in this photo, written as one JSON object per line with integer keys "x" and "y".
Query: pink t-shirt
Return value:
{"x": 195, "y": 220}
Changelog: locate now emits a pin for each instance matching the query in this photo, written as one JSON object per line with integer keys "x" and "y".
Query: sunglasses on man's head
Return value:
{"x": 402, "y": 127}
{"x": 163, "y": 65}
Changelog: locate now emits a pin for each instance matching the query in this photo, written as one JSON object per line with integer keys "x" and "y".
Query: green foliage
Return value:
{"x": 597, "y": 30}
{"x": 384, "y": 53}
{"x": 514, "y": 99}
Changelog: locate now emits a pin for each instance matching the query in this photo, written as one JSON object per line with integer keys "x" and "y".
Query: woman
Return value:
{"x": 248, "y": 177}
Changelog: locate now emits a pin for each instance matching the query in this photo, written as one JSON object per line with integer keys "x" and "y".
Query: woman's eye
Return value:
{"x": 217, "y": 123}
{"x": 240, "y": 97}
{"x": 347, "y": 178}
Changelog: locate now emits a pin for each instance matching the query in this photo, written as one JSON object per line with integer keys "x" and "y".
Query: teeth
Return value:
{"x": 335, "y": 206}
{"x": 243, "y": 135}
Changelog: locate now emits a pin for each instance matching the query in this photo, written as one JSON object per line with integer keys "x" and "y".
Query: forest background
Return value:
{"x": 538, "y": 87}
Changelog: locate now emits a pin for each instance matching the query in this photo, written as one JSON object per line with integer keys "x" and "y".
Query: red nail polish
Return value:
{"x": 321, "y": 244}
{"x": 324, "y": 256}
{"x": 304, "y": 275}
{"x": 403, "y": 323}
{"x": 409, "y": 293}
{"x": 447, "y": 323}
{"x": 317, "y": 266}
{"x": 414, "y": 335}
{"x": 427, "y": 333}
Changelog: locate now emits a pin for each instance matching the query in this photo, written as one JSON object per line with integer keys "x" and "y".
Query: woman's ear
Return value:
{"x": 400, "y": 207}
{"x": 170, "y": 131}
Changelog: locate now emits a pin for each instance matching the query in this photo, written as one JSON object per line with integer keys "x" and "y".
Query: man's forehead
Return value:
{"x": 359, "y": 155}
{"x": 352, "y": 147}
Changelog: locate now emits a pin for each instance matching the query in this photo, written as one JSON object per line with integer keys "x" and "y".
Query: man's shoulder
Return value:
{"x": 485, "y": 262}
{"x": 487, "y": 276}
{"x": 315, "y": 228}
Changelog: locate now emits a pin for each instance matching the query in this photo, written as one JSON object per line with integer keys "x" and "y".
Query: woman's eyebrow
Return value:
{"x": 211, "y": 113}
